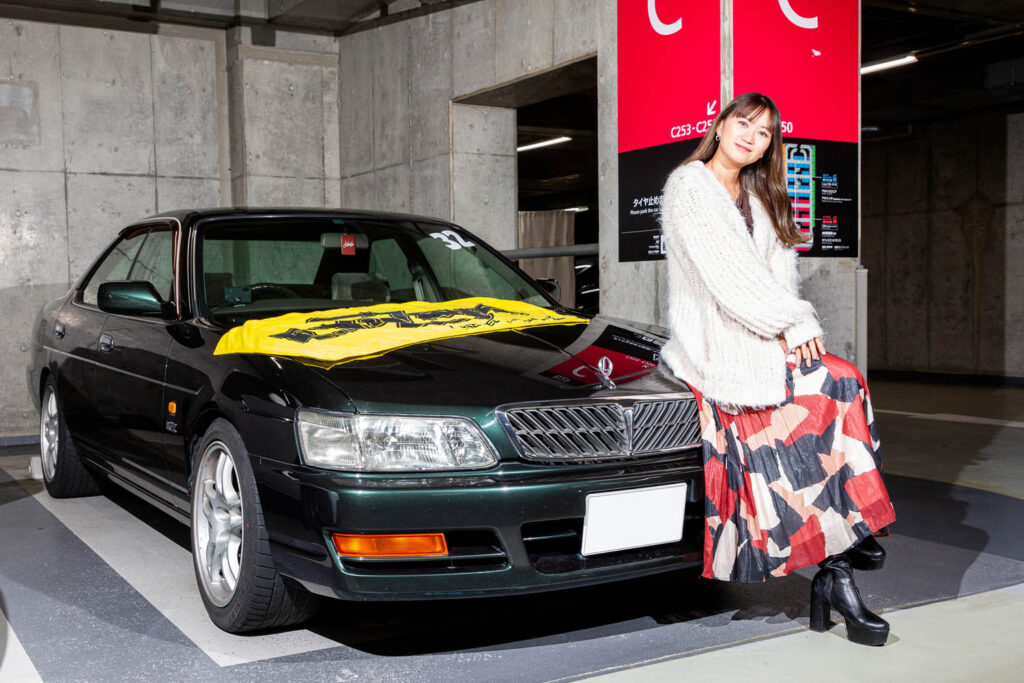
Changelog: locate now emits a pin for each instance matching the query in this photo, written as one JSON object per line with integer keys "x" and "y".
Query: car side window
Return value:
{"x": 155, "y": 263}
{"x": 115, "y": 265}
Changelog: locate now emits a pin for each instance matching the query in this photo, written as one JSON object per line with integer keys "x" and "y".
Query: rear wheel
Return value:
{"x": 239, "y": 585}
{"x": 64, "y": 473}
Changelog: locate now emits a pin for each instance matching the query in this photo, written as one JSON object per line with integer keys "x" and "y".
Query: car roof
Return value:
{"x": 189, "y": 217}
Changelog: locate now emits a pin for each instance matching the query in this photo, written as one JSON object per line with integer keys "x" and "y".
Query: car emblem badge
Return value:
{"x": 605, "y": 366}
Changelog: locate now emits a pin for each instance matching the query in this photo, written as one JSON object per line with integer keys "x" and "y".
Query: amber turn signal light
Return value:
{"x": 390, "y": 545}
{"x": 172, "y": 408}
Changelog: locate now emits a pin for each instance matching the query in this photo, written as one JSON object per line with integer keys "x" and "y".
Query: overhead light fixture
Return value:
{"x": 543, "y": 143}
{"x": 888, "y": 64}
{"x": 577, "y": 209}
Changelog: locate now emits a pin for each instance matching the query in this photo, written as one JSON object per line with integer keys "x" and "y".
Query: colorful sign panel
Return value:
{"x": 804, "y": 54}
{"x": 669, "y": 85}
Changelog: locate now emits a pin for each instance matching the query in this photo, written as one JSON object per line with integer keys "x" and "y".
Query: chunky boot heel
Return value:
{"x": 866, "y": 555}
{"x": 833, "y": 587}
{"x": 820, "y": 609}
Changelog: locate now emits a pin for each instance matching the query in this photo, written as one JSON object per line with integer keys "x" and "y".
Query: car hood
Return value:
{"x": 486, "y": 370}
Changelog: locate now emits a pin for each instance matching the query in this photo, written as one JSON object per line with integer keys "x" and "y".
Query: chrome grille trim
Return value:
{"x": 569, "y": 432}
{"x": 668, "y": 425}
{"x": 611, "y": 428}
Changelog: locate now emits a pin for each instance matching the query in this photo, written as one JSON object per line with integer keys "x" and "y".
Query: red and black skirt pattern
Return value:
{"x": 787, "y": 486}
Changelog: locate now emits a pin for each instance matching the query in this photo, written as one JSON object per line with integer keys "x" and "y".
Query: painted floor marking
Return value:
{"x": 921, "y": 647}
{"x": 15, "y": 664}
{"x": 161, "y": 571}
{"x": 950, "y": 417}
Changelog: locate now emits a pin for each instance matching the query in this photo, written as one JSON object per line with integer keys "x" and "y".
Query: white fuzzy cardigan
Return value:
{"x": 730, "y": 296}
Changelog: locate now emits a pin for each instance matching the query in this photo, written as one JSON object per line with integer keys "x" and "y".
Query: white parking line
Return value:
{"x": 950, "y": 417}
{"x": 161, "y": 571}
{"x": 15, "y": 665}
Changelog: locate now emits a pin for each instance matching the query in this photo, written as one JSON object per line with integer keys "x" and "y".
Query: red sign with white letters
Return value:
{"x": 804, "y": 54}
{"x": 669, "y": 70}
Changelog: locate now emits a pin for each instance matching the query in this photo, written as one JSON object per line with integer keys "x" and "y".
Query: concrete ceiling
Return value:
{"x": 326, "y": 16}
{"x": 971, "y": 58}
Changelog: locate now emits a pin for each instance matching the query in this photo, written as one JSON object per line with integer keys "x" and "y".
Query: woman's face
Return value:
{"x": 744, "y": 141}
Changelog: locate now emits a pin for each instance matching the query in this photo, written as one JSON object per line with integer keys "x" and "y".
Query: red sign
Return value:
{"x": 348, "y": 245}
{"x": 804, "y": 54}
{"x": 613, "y": 364}
{"x": 669, "y": 68}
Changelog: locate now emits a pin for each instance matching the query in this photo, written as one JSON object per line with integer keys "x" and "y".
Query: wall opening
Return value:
{"x": 557, "y": 185}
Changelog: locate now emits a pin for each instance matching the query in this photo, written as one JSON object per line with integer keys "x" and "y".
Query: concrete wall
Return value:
{"x": 106, "y": 127}
{"x": 101, "y": 127}
{"x": 943, "y": 236}
{"x": 285, "y": 137}
{"x": 394, "y": 116}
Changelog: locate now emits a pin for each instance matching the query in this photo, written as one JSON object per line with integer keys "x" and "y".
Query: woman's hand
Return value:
{"x": 813, "y": 349}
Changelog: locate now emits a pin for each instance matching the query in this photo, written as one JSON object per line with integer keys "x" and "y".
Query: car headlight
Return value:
{"x": 392, "y": 443}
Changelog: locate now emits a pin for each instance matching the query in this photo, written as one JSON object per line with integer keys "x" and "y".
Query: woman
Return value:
{"x": 791, "y": 460}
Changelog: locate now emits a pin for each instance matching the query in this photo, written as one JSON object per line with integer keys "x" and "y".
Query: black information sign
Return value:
{"x": 821, "y": 177}
{"x": 642, "y": 176}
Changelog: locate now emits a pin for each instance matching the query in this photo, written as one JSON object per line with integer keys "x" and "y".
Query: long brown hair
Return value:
{"x": 766, "y": 177}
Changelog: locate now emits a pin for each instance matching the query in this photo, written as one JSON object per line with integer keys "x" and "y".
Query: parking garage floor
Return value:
{"x": 102, "y": 589}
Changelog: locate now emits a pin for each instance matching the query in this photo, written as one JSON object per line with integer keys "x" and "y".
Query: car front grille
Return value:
{"x": 610, "y": 429}
{"x": 554, "y": 547}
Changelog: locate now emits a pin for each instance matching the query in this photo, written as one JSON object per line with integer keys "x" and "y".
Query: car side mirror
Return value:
{"x": 133, "y": 297}
{"x": 551, "y": 286}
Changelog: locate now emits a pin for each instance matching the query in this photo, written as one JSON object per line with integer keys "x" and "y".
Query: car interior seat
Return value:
{"x": 360, "y": 288}
{"x": 215, "y": 284}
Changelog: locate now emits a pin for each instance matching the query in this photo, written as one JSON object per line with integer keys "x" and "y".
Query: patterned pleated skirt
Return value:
{"x": 787, "y": 486}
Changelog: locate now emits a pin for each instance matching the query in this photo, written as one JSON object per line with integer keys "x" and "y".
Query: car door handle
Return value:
{"x": 58, "y": 330}
{"x": 106, "y": 343}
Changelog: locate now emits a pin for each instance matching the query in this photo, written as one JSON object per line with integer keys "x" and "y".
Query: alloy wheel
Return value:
{"x": 49, "y": 433}
{"x": 217, "y": 523}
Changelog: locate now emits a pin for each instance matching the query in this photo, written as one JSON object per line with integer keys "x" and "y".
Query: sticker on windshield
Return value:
{"x": 451, "y": 239}
{"x": 348, "y": 245}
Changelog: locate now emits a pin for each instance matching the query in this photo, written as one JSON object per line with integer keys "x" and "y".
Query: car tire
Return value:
{"x": 64, "y": 473}
{"x": 240, "y": 586}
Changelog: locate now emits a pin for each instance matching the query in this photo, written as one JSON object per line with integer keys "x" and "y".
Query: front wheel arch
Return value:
{"x": 261, "y": 597}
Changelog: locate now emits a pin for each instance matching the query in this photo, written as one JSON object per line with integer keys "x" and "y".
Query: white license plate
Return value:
{"x": 619, "y": 520}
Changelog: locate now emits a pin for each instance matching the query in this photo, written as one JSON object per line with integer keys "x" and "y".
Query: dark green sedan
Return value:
{"x": 494, "y": 463}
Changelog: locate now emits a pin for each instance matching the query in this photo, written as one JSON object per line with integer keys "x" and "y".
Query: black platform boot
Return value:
{"x": 866, "y": 555}
{"x": 833, "y": 587}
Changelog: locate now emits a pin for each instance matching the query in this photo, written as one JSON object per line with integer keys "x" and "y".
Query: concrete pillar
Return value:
{"x": 484, "y": 185}
{"x": 284, "y": 122}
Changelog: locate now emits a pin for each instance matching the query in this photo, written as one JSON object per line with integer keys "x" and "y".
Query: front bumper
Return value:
{"x": 513, "y": 529}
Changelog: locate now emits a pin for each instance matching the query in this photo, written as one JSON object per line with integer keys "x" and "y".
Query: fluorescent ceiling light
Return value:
{"x": 888, "y": 64}
{"x": 543, "y": 143}
{"x": 577, "y": 209}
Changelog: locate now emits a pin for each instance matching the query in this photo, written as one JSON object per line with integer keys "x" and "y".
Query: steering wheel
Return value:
{"x": 261, "y": 290}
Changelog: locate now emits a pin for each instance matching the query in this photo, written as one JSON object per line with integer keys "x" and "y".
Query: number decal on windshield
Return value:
{"x": 452, "y": 239}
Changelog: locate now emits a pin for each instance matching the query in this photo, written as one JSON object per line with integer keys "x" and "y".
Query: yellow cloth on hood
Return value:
{"x": 345, "y": 334}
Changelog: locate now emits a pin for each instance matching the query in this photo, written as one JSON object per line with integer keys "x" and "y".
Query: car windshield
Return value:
{"x": 255, "y": 268}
